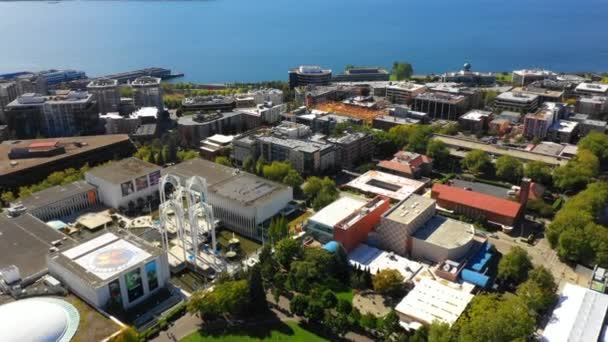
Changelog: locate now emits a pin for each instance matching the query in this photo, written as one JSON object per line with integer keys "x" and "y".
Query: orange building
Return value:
{"x": 354, "y": 228}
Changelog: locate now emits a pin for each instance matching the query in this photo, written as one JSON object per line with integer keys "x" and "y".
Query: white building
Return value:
{"x": 61, "y": 201}
{"x": 526, "y": 76}
{"x": 322, "y": 223}
{"x": 147, "y": 92}
{"x": 243, "y": 202}
{"x": 579, "y": 316}
{"x": 592, "y": 89}
{"x": 377, "y": 260}
{"x": 125, "y": 183}
{"x": 109, "y": 270}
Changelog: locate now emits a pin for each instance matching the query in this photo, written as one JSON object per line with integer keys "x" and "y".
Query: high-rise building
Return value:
{"x": 8, "y": 93}
{"x": 147, "y": 92}
{"x": 309, "y": 74}
{"x": 106, "y": 93}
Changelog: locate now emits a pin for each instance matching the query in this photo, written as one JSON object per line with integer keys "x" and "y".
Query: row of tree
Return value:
{"x": 165, "y": 150}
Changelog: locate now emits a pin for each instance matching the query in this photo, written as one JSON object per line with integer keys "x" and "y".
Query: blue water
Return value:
{"x": 249, "y": 40}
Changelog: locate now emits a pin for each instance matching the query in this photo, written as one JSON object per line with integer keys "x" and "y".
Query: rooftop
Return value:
{"x": 534, "y": 72}
{"x": 311, "y": 69}
{"x": 377, "y": 260}
{"x": 296, "y": 144}
{"x": 212, "y": 172}
{"x": 579, "y": 316}
{"x": 476, "y": 115}
{"x": 25, "y": 242}
{"x": 409, "y": 209}
{"x": 564, "y": 126}
{"x": 517, "y": 97}
{"x": 445, "y": 232}
{"x": 405, "y": 86}
{"x": 362, "y": 212}
{"x": 549, "y": 148}
{"x": 441, "y": 97}
{"x": 54, "y": 194}
{"x": 146, "y": 80}
{"x": 593, "y": 87}
{"x": 123, "y": 170}
{"x": 539, "y": 91}
{"x": 338, "y": 210}
{"x": 433, "y": 301}
{"x": 477, "y": 200}
{"x": 207, "y": 100}
{"x": 397, "y": 120}
{"x": 73, "y": 147}
{"x": 246, "y": 188}
{"x": 205, "y": 118}
{"x": 102, "y": 82}
{"x": 385, "y": 184}
{"x": 68, "y": 97}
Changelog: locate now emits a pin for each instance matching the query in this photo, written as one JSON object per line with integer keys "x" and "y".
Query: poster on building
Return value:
{"x": 141, "y": 183}
{"x": 135, "y": 287}
{"x": 151, "y": 274}
{"x": 155, "y": 178}
{"x": 127, "y": 188}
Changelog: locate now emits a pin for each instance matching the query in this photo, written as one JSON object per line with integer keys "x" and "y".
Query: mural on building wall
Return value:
{"x": 127, "y": 188}
{"x": 141, "y": 183}
{"x": 152, "y": 275}
{"x": 155, "y": 178}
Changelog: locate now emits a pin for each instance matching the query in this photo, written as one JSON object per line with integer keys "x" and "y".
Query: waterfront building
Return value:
{"x": 516, "y": 102}
{"x": 469, "y": 77}
{"x": 362, "y": 74}
{"x": 8, "y": 93}
{"x": 106, "y": 93}
{"x": 147, "y": 92}
{"x": 54, "y": 76}
{"x": 403, "y": 92}
{"x": 307, "y": 75}
{"x": 526, "y": 76}
{"x": 207, "y": 104}
{"x": 67, "y": 113}
{"x": 196, "y": 127}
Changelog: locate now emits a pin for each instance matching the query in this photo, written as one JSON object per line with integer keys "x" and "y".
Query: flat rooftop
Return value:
{"x": 441, "y": 97}
{"x": 445, "y": 232}
{"x": 337, "y": 211}
{"x": 593, "y": 87}
{"x": 377, "y": 260}
{"x": 55, "y": 194}
{"x": 564, "y": 126}
{"x": 212, "y": 172}
{"x": 539, "y": 91}
{"x": 409, "y": 209}
{"x": 385, "y": 184}
{"x": 105, "y": 256}
{"x": 123, "y": 170}
{"x": 86, "y": 144}
{"x": 408, "y": 86}
{"x": 549, "y": 148}
{"x": 432, "y": 301}
{"x": 579, "y": 316}
{"x": 476, "y": 115}
{"x": 247, "y": 189}
{"x": 25, "y": 242}
{"x": 518, "y": 97}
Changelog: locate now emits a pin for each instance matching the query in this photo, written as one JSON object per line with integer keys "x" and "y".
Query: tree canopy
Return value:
{"x": 538, "y": 172}
{"x": 509, "y": 168}
{"x": 388, "y": 281}
{"x": 596, "y": 143}
{"x": 577, "y": 172}
{"x": 514, "y": 266}
{"x": 476, "y": 161}
{"x": 402, "y": 70}
{"x": 439, "y": 152}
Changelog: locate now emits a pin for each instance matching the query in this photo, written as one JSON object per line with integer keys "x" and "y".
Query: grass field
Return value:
{"x": 347, "y": 295}
{"x": 276, "y": 331}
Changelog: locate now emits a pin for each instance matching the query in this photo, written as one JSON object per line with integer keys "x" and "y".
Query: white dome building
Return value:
{"x": 39, "y": 319}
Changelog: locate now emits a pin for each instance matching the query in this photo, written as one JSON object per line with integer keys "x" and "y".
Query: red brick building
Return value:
{"x": 353, "y": 229}
{"x": 408, "y": 164}
{"x": 476, "y": 205}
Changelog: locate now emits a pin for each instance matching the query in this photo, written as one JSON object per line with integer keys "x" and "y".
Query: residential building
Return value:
{"x": 441, "y": 106}
{"x": 595, "y": 106}
{"x": 112, "y": 271}
{"x": 126, "y": 183}
{"x": 362, "y": 74}
{"x": 403, "y": 92}
{"x": 8, "y": 93}
{"x": 323, "y": 122}
{"x": 475, "y": 121}
{"x": 385, "y": 184}
{"x": 516, "y": 102}
{"x": 313, "y": 94}
{"x": 580, "y": 316}
{"x": 526, "y": 76}
{"x": 261, "y": 96}
{"x": 563, "y": 131}
{"x": 475, "y": 205}
{"x": 25, "y": 162}
{"x": 115, "y": 123}
{"x": 31, "y": 84}
{"x": 499, "y": 126}
{"x": 61, "y": 201}
{"x": 54, "y": 76}
{"x": 474, "y": 98}
{"x": 537, "y": 124}
{"x": 208, "y": 104}
{"x": 267, "y": 112}
{"x": 215, "y": 146}
{"x": 243, "y": 202}
{"x": 544, "y": 95}
{"x": 105, "y": 91}
{"x": 353, "y": 149}
{"x": 66, "y": 114}
{"x": 293, "y": 130}
{"x": 469, "y": 77}
{"x": 386, "y": 122}
{"x": 408, "y": 164}
{"x": 591, "y": 89}
{"x": 194, "y": 128}
{"x": 308, "y": 74}
{"x": 588, "y": 126}
{"x": 147, "y": 92}
{"x": 307, "y": 157}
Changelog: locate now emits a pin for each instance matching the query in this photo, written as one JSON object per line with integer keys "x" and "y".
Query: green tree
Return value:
{"x": 543, "y": 277}
{"x": 573, "y": 246}
{"x": 277, "y": 171}
{"x": 538, "y": 172}
{"x": 259, "y": 166}
{"x": 338, "y": 324}
{"x": 126, "y": 91}
{"x": 294, "y": 180}
{"x": 286, "y": 251}
{"x": 537, "y": 298}
{"x": 257, "y": 295}
{"x": 312, "y": 187}
{"x": 514, "y": 266}
{"x": 491, "y": 317}
{"x": 440, "y": 332}
{"x": 388, "y": 281}
{"x": 476, "y": 161}
{"x": 230, "y": 297}
{"x": 402, "y": 70}
{"x": 597, "y": 143}
{"x": 278, "y": 229}
{"x": 314, "y": 312}
{"x": 577, "y": 172}
{"x": 439, "y": 152}
{"x": 389, "y": 324}
{"x": 299, "y": 304}
{"x": 223, "y": 161}
{"x": 369, "y": 321}
{"x": 249, "y": 164}
{"x": 488, "y": 98}
{"x": 7, "y": 197}
{"x": 183, "y": 155}
{"x": 509, "y": 168}
{"x": 344, "y": 306}
{"x": 328, "y": 299}
{"x": 324, "y": 198}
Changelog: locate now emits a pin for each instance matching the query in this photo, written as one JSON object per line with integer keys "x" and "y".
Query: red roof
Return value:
{"x": 476, "y": 200}
{"x": 42, "y": 144}
{"x": 392, "y": 165}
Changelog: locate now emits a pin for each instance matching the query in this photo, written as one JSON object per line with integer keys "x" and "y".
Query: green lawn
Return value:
{"x": 347, "y": 295}
{"x": 277, "y": 331}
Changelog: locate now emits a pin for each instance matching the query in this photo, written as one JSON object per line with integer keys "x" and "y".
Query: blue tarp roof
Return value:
{"x": 479, "y": 261}
{"x": 331, "y": 246}
{"x": 474, "y": 278}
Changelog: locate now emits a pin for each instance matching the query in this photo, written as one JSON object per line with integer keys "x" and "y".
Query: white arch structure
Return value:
{"x": 186, "y": 203}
